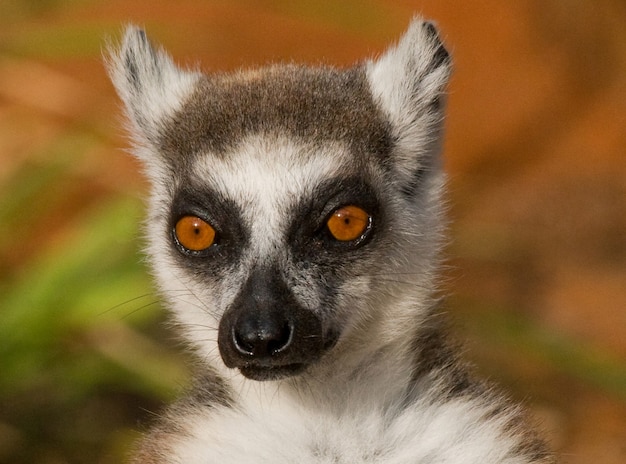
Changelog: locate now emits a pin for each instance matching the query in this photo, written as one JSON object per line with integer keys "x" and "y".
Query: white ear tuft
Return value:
{"x": 408, "y": 83}
{"x": 149, "y": 83}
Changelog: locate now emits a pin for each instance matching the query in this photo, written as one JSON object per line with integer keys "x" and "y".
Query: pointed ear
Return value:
{"x": 408, "y": 83}
{"x": 151, "y": 86}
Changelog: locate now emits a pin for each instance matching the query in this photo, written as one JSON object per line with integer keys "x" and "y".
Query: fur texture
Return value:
{"x": 311, "y": 349}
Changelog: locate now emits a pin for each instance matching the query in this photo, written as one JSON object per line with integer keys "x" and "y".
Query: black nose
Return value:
{"x": 261, "y": 334}
{"x": 266, "y": 333}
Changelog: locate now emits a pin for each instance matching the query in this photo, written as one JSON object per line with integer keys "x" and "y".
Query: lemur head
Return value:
{"x": 292, "y": 208}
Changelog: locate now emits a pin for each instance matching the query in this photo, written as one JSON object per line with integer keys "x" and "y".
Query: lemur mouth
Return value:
{"x": 262, "y": 373}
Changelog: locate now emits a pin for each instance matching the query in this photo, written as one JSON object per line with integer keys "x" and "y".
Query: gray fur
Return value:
{"x": 301, "y": 102}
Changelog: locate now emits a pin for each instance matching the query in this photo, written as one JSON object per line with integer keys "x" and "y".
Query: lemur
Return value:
{"x": 295, "y": 229}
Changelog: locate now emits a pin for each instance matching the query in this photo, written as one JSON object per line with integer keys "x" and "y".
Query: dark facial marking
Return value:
{"x": 441, "y": 55}
{"x": 265, "y": 333}
{"x": 309, "y": 236}
{"x": 231, "y": 234}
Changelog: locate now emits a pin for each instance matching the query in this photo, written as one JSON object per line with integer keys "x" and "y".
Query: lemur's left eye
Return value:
{"x": 348, "y": 223}
{"x": 194, "y": 233}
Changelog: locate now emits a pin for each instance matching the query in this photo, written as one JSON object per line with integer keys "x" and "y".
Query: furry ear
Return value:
{"x": 408, "y": 83}
{"x": 149, "y": 83}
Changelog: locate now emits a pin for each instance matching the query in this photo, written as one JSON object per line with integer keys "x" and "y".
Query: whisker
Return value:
{"x": 147, "y": 305}
{"x": 119, "y": 305}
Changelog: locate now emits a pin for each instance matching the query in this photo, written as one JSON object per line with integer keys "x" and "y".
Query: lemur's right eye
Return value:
{"x": 194, "y": 234}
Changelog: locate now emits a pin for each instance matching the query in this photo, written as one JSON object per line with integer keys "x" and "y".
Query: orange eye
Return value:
{"x": 348, "y": 223}
{"x": 194, "y": 234}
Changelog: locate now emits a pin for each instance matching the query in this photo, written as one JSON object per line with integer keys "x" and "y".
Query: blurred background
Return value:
{"x": 536, "y": 141}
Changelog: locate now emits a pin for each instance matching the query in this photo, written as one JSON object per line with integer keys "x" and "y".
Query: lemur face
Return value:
{"x": 288, "y": 202}
{"x": 286, "y": 194}
{"x": 289, "y": 244}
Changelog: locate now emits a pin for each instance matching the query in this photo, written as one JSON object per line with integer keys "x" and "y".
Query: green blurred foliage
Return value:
{"x": 76, "y": 363}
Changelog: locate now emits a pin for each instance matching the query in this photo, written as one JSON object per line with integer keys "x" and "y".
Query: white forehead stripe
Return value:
{"x": 265, "y": 176}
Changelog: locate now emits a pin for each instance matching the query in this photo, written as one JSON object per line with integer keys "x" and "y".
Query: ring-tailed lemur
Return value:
{"x": 295, "y": 228}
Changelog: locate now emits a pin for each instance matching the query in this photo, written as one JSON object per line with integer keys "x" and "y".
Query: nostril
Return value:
{"x": 244, "y": 341}
{"x": 281, "y": 339}
{"x": 261, "y": 338}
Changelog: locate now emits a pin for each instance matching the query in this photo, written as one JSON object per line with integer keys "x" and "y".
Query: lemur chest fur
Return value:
{"x": 423, "y": 432}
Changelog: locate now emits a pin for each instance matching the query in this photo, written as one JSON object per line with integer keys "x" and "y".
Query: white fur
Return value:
{"x": 428, "y": 432}
{"x": 402, "y": 86}
{"x": 155, "y": 92}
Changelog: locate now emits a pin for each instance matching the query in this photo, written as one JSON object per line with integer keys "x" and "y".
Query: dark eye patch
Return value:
{"x": 224, "y": 216}
{"x": 309, "y": 235}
